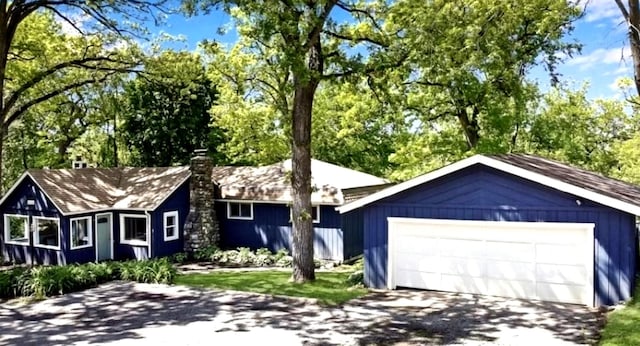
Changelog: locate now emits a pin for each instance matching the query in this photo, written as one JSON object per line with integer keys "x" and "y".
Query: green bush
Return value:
{"x": 44, "y": 281}
{"x": 356, "y": 279}
{"x": 205, "y": 254}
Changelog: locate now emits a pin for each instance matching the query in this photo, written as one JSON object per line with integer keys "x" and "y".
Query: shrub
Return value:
{"x": 180, "y": 257}
{"x": 244, "y": 256}
{"x": 356, "y": 279}
{"x": 205, "y": 254}
{"x": 263, "y": 257}
{"x": 149, "y": 271}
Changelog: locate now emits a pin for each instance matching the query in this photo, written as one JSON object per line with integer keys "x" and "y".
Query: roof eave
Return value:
{"x": 501, "y": 166}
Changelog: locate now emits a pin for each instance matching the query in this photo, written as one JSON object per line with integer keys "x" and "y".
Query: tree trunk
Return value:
{"x": 305, "y": 89}
{"x": 470, "y": 128}
{"x": 303, "y": 266}
{"x": 634, "y": 40}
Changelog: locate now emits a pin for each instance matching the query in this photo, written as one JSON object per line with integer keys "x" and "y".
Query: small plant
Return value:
{"x": 263, "y": 257}
{"x": 356, "y": 279}
{"x": 205, "y": 254}
{"x": 180, "y": 257}
{"x": 244, "y": 256}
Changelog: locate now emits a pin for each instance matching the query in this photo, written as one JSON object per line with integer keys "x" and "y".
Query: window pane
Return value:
{"x": 47, "y": 232}
{"x": 245, "y": 210}
{"x": 234, "y": 209}
{"x": 171, "y": 231}
{"x": 135, "y": 228}
{"x": 170, "y": 221}
{"x": 18, "y": 229}
{"x": 80, "y": 233}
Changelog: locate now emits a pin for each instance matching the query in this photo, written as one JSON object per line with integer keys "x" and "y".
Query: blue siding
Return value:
{"x": 16, "y": 203}
{"x": 353, "y": 230}
{"x": 178, "y": 201}
{"x": 480, "y": 193}
{"x": 271, "y": 228}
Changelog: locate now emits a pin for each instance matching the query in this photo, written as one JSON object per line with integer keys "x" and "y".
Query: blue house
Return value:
{"x": 253, "y": 207}
{"x": 59, "y": 216}
{"x": 507, "y": 225}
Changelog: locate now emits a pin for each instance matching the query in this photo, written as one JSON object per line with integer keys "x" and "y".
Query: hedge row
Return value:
{"x": 44, "y": 281}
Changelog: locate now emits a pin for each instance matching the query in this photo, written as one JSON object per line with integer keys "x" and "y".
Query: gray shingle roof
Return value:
{"x": 575, "y": 176}
{"x": 271, "y": 183}
{"x": 78, "y": 190}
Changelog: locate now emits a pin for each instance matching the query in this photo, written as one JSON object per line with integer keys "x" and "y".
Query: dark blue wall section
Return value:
{"x": 271, "y": 228}
{"x": 178, "y": 201}
{"x": 481, "y": 193}
{"x": 16, "y": 203}
{"x": 353, "y": 230}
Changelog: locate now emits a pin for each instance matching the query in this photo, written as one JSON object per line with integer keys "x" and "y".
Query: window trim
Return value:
{"x": 250, "y": 217}
{"x": 90, "y": 232}
{"x": 315, "y": 221}
{"x": 34, "y": 222}
{"x": 165, "y": 216}
{"x": 134, "y": 242}
{"x": 7, "y": 232}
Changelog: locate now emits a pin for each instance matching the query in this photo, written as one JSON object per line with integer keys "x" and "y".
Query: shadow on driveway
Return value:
{"x": 150, "y": 314}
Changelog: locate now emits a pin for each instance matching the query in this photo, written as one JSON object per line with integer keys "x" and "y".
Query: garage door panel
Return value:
{"x": 418, "y": 245}
{"x": 562, "y": 293}
{"x": 560, "y": 254}
{"x": 504, "y": 270}
{"x": 511, "y": 251}
{"x": 466, "y": 284}
{"x": 462, "y": 248}
{"x": 559, "y": 274}
{"x": 513, "y": 259}
{"x": 511, "y": 288}
{"x": 418, "y": 262}
{"x": 416, "y": 279}
{"x": 463, "y": 266}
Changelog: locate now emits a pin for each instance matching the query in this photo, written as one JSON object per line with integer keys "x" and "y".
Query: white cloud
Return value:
{"x": 597, "y": 10}
{"x": 618, "y": 55}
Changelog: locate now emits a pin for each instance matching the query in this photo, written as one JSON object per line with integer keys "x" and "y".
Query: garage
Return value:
{"x": 507, "y": 225}
{"x": 545, "y": 261}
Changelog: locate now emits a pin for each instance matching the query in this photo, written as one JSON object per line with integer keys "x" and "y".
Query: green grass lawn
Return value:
{"x": 623, "y": 326}
{"x": 329, "y": 288}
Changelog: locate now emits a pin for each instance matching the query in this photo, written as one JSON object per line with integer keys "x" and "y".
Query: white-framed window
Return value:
{"x": 171, "y": 228}
{"x": 16, "y": 229}
{"x": 240, "y": 210}
{"x": 81, "y": 232}
{"x": 47, "y": 232}
{"x": 315, "y": 213}
{"x": 133, "y": 229}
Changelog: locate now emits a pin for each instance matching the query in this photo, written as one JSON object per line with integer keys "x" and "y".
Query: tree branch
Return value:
{"x": 15, "y": 115}
{"x": 623, "y": 9}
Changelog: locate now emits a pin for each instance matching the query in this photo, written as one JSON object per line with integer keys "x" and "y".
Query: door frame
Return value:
{"x": 110, "y": 216}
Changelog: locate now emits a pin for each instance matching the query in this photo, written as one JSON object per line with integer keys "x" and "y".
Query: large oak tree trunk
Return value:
{"x": 305, "y": 89}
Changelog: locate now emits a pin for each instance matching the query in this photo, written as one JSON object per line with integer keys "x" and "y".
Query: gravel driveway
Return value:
{"x": 128, "y": 313}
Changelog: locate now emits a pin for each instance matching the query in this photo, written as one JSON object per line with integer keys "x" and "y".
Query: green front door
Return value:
{"x": 103, "y": 236}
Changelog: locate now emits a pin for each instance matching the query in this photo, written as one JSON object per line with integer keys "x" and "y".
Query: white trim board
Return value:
{"x": 501, "y": 166}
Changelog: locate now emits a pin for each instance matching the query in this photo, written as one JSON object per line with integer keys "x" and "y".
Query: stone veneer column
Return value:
{"x": 201, "y": 228}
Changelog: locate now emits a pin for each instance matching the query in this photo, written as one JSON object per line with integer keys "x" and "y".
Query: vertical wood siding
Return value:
{"x": 480, "y": 193}
{"x": 271, "y": 228}
{"x": 178, "y": 201}
{"x": 353, "y": 231}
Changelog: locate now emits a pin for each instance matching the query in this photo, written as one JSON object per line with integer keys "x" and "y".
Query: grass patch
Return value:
{"x": 328, "y": 289}
{"x": 623, "y": 326}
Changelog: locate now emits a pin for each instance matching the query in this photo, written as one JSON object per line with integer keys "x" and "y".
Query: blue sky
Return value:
{"x": 605, "y": 56}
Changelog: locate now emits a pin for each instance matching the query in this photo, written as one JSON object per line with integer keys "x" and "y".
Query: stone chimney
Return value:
{"x": 201, "y": 228}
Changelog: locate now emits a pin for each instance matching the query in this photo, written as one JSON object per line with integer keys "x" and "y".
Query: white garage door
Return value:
{"x": 532, "y": 260}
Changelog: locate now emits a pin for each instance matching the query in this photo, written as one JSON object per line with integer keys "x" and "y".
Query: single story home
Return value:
{"x": 59, "y": 216}
{"x": 254, "y": 207}
{"x": 507, "y": 225}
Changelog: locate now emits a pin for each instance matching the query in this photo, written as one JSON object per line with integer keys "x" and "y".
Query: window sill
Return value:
{"x": 50, "y": 247}
{"x": 171, "y": 238}
{"x": 239, "y": 218}
{"x": 9, "y": 242}
{"x": 134, "y": 242}
{"x": 80, "y": 247}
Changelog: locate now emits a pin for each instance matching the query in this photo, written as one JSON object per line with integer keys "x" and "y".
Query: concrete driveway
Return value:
{"x": 128, "y": 313}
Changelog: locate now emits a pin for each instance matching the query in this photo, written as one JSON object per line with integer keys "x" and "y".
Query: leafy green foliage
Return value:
{"x": 45, "y": 281}
{"x": 167, "y": 113}
{"x": 328, "y": 288}
{"x": 622, "y": 325}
